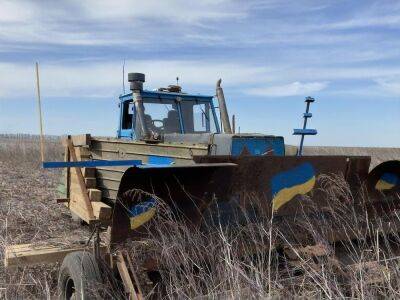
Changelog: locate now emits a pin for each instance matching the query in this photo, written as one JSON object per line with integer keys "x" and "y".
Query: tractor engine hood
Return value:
{"x": 233, "y": 144}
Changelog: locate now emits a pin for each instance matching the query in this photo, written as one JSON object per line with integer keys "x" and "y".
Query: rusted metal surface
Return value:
{"x": 187, "y": 190}
{"x": 190, "y": 190}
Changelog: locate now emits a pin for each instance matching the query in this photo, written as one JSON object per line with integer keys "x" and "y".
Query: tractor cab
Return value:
{"x": 167, "y": 115}
{"x": 165, "y": 111}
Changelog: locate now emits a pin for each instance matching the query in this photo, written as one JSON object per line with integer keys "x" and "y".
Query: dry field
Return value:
{"x": 29, "y": 213}
{"x": 196, "y": 263}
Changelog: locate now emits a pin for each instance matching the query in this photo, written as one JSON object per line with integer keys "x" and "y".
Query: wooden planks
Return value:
{"x": 30, "y": 254}
{"x": 88, "y": 172}
{"x": 81, "y": 139}
{"x": 84, "y": 198}
{"x": 101, "y": 211}
{"x": 94, "y": 195}
{"x": 78, "y": 194}
{"x": 128, "y": 277}
{"x": 108, "y": 178}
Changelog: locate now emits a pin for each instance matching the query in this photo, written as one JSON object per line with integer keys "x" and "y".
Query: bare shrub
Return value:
{"x": 259, "y": 260}
{"x": 260, "y": 257}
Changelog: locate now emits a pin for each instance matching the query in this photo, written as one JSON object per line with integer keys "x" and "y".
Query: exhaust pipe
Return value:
{"x": 222, "y": 108}
{"x": 136, "y": 86}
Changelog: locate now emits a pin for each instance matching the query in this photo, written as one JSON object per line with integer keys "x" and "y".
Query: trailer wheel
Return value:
{"x": 79, "y": 277}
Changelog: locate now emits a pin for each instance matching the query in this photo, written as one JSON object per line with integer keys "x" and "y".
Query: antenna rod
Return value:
{"x": 123, "y": 77}
{"x": 40, "y": 113}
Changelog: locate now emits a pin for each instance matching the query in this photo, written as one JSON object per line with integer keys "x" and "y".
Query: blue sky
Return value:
{"x": 270, "y": 55}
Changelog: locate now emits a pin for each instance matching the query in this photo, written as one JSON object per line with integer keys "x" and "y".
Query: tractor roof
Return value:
{"x": 167, "y": 96}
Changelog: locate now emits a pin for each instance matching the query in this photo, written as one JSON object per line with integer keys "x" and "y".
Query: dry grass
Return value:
{"x": 30, "y": 214}
{"x": 212, "y": 262}
{"x": 258, "y": 260}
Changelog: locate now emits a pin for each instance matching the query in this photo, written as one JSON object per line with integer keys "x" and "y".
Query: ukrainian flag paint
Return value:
{"x": 286, "y": 185}
{"x": 142, "y": 213}
{"x": 387, "y": 182}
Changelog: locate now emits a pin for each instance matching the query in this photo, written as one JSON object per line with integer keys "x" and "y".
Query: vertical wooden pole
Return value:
{"x": 40, "y": 113}
{"x": 68, "y": 171}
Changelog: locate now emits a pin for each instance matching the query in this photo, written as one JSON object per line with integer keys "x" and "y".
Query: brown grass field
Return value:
{"x": 200, "y": 264}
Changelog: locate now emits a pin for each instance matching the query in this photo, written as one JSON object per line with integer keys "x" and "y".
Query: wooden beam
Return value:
{"x": 90, "y": 183}
{"x": 126, "y": 277}
{"x": 89, "y": 172}
{"x": 81, "y": 181}
{"x": 68, "y": 171}
{"x": 62, "y": 200}
{"x": 81, "y": 139}
{"x": 82, "y": 153}
{"x": 94, "y": 195}
{"x": 30, "y": 254}
{"x": 101, "y": 211}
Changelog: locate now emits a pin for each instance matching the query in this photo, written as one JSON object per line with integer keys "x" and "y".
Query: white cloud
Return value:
{"x": 94, "y": 79}
{"x": 12, "y": 11}
{"x": 366, "y": 21}
{"x": 174, "y": 10}
{"x": 291, "y": 89}
{"x": 101, "y": 22}
{"x": 391, "y": 86}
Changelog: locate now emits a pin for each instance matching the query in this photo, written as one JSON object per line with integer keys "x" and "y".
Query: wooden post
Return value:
{"x": 40, "y": 113}
{"x": 126, "y": 277}
{"x": 68, "y": 175}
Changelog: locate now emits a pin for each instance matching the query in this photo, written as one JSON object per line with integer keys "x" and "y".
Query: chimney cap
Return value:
{"x": 136, "y": 77}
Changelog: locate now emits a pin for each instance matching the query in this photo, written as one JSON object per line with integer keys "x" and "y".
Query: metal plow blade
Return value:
{"x": 287, "y": 187}
{"x": 186, "y": 190}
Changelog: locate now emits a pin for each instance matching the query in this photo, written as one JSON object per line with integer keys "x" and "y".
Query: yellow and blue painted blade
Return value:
{"x": 288, "y": 184}
{"x": 387, "y": 182}
{"x": 142, "y": 213}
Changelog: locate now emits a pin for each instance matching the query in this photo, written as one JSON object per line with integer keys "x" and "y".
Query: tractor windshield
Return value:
{"x": 184, "y": 117}
{"x": 162, "y": 117}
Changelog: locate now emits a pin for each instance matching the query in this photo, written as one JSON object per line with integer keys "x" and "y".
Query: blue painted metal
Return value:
{"x": 160, "y": 160}
{"x": 217, "y": 128}
{"x": 120, "y": 119}
{"x": 303, "y": 132}
{"x": 165, "y": 96}
{"x": 179, "y": 108}
{"x": 258, "y": 145}
{"x": 90, "y": 163}
{"x": 291, "y": 178}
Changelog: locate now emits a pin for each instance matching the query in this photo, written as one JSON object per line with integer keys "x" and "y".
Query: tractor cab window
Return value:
{"x": 127, "y": 113}
{"x": 198, "y": 117}
{"x": 162, "y": 117}
{"x": 167, "y": 116}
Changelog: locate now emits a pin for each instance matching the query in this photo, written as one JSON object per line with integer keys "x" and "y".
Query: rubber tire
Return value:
{"x": 80, "y": 267}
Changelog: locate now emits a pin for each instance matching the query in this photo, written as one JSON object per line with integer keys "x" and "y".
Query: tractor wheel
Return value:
{"x": 79, "y": 277}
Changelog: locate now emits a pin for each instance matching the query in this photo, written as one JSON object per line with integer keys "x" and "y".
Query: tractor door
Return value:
{"x": 127, "y": 113}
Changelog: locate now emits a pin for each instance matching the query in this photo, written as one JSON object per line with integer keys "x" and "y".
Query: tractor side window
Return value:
{"x": 198, "y": 117}
{"x": 127, "y": 113}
